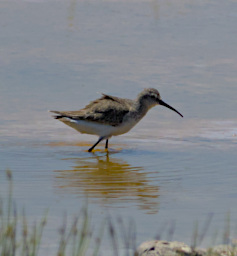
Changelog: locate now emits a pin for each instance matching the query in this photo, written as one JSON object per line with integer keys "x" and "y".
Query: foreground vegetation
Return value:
{"x": 18, "y": 237}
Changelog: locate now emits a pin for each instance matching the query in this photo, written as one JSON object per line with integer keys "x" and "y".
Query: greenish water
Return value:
{"x": 60, "y": 54}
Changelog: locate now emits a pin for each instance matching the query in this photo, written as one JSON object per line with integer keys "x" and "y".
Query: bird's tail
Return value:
{"x": 58, "y": 114}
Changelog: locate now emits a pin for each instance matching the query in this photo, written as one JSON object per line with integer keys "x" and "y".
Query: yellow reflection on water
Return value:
{"x": 109, "y": 180}
{"x": 65, "y": 143}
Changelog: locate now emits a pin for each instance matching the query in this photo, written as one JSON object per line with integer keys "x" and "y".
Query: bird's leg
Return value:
{"x": 106, "y": 143}
{"x": 99, "y": 140}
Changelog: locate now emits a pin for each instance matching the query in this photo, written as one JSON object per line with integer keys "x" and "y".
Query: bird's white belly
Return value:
{"x": 102, "y": 130}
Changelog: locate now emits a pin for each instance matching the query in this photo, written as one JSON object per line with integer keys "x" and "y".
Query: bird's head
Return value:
{"x": 150, "y": 97}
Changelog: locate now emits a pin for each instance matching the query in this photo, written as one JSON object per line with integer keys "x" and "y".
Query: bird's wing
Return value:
{"x": 105, "y": 110}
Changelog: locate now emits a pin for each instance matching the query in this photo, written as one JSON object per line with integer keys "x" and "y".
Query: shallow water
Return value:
{"x": 166, "y": 173}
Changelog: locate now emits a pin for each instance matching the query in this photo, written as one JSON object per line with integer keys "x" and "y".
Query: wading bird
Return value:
{"x": 111, "y": 116}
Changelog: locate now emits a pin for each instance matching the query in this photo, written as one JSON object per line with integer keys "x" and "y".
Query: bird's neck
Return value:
{"x": 141, "y": 107}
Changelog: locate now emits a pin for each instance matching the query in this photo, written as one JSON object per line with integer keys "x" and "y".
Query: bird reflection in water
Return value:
{"x": 109, "y": 180}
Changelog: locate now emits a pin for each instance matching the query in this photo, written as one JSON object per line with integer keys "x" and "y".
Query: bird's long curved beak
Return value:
{"x": 161, "y": 102}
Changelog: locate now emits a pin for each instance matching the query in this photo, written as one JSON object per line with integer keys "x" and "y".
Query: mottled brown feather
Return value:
{"x": 105, "y": 110}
